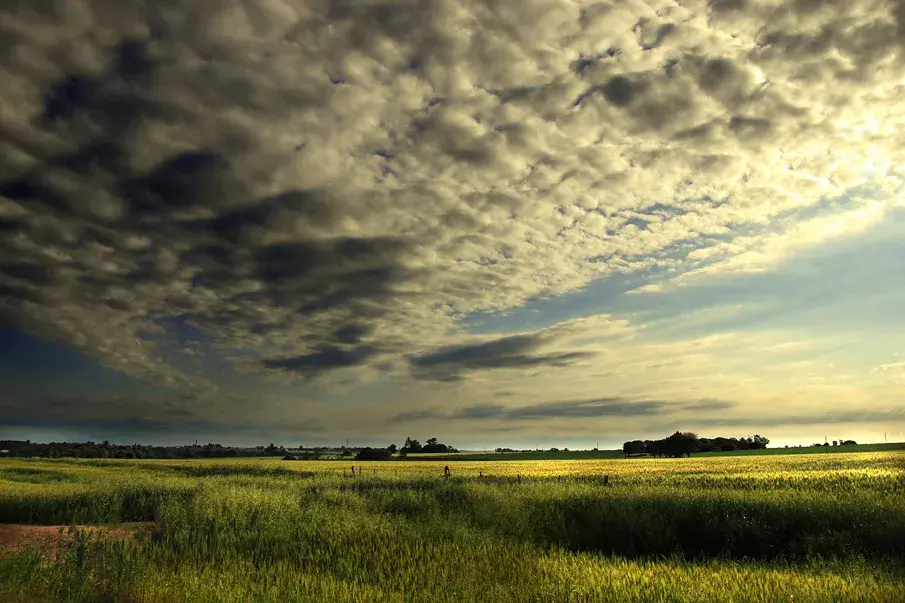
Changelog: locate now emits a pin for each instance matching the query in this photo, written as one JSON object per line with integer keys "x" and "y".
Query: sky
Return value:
{"x": 524, "y": 224}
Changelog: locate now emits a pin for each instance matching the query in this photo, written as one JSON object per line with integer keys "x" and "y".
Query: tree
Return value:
{"x": 373, "y": 454}
{"x": 758, "y": 442}
{"x": 681, "y": 444}
{"x": 633, "y": 447}
{"x": 435, "y": 447}
{"x": 412, "y": 445}
{"x": 392, "y": 448}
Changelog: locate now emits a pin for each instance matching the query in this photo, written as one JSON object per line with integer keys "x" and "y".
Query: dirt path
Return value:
{"x": 47, "y": 540}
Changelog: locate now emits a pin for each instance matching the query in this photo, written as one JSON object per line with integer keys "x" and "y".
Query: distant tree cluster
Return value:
{"x": 755, "y": 442}
{"x": 431, "y": 447}
{"x": 837, "y": 443}
{"x": 272, "y": 450}
{"x": 374, "y": 454}
{"x": 106, "y": 450}
{"x": 682, "y": 444}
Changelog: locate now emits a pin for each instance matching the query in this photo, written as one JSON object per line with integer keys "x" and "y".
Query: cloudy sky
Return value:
{"x": 517, "y": 223}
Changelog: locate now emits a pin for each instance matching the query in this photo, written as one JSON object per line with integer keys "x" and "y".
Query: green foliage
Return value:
{"x": 432, "y": 446}
{"x": 373, "y": 454}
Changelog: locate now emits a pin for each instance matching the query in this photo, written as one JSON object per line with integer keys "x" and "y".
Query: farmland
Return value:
{"x": 558, "y": 455}
{"x": 818, "y": 527}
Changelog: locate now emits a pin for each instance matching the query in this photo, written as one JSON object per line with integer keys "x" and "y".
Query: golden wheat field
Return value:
{"x": 815, "y": 527}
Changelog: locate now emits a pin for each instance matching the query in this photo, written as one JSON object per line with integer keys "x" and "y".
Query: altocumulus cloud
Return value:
{"x": 325, "y": 186}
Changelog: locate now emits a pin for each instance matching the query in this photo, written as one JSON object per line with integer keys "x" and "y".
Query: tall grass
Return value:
{"x": 740, "y": 529}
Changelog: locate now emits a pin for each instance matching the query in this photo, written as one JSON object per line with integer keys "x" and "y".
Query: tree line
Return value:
{"x": 411, "y": 446}
{"x": 685, "y": 443}
{"x": 106, "y": 450}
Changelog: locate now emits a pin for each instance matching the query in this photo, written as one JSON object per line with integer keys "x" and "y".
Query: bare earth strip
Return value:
{"x": 47, "y": 540}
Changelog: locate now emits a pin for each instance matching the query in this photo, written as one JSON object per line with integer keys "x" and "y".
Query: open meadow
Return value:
{"x": 818, "y": 527}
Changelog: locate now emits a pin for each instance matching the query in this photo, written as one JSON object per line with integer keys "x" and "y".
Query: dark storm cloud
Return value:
{"x": 326, "y": 358}
{"x": 416, "y": 415}
{"x": 351, "y": 333}
{"x": 479, "y": 411}
{"x": 574, "y": 409}
{"x": 597, "y": 407}
{"x": 356, "y": 274}
{"x": 519, "y": 351}
{"x": 324, "y": 281}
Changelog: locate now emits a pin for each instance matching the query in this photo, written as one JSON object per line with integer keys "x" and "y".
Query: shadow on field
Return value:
{"x": 120, "y": 503}
{"x": 654, "y": 523}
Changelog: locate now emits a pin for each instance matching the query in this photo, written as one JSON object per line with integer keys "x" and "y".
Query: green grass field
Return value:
{"x": 819, "y": 527}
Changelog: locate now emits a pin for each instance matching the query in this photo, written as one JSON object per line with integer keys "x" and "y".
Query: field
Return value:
{"x": 819, "y": 527}
{"x": 573, "y": 455}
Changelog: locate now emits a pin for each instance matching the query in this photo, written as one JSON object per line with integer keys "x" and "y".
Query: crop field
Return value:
{"x": 818, "y": 527}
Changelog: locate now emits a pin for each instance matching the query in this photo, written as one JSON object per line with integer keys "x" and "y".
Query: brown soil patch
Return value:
{"x": 51, "y": 540}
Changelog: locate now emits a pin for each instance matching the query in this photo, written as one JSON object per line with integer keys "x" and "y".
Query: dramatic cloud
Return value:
{"x": 416, "y": 415}
{"x": 596, "y": 407}
{"x": 587, "y": 408}
{"x": 323, "y": 359}
{"x": 480, "y": 411}
{"x": 508, "y": 352}
{"x": 330, "y": 190}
